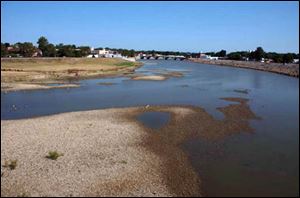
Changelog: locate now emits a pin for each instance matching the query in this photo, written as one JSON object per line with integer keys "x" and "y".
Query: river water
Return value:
{"x": 263, "y": 163}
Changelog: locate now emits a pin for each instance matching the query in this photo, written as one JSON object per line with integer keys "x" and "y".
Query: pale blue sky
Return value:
{"x": 180, "y": 26}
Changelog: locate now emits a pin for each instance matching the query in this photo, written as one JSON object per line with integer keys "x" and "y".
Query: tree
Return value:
{"x": 288, "y": 58}
{"x": 83, "y": 51}
{"x": 3, "y": 50}
{"x": 49, "y": 51}
{"x": 6, "y": 44}
{"x": 66, "y": 50}
{"x": 221, "y": 53}
{"x": 42, "y": 42}
{"x": 234, "y": 56}
{"x": 259, "y": 53}
{"x": 211, "y": 53}
{"x": 26, "y": 49}
{"x": 277, "y": 58}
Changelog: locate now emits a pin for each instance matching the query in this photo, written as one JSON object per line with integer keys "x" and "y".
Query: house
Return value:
{"x": 10, "y": 48}
{"x": 269, "y": 60}
{"x": 204, "y": 56}
{"x": 296, "y": 61}
{"x": 113, "y": 55}
{"x": 37, "y": 53}
{"x": 103, "y": 53}
{"x": 213, "y": 58}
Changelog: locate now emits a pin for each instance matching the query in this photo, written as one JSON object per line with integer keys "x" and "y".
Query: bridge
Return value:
{"x": 163, "y": 57}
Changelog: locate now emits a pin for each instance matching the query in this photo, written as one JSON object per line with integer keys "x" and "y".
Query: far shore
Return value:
{"x": 37, "y": 73}
{"x": 288, "y": 69}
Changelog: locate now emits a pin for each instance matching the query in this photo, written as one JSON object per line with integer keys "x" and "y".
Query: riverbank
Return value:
{"x": 37, "y": 73}
{"x": 109, "y": 153}
{"x": 289, "y": 69}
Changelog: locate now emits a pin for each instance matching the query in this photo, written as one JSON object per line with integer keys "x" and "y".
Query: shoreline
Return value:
{"x": 109, "y": 153}
{"x": 10, "y": 87}
{"x": 44, "y": 71}
{"x": 289, "y": 70}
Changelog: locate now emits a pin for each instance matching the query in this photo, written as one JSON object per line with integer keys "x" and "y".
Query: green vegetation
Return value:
{"x": 4, "y": 50}
{"x": 259, "y": 54}
{"x": 221, "y": 53}
{"x": 124, "y": 162}
{"x": 47, "y": 49}
{"x": 12, "y": 164}
{"x": 43, "y": 43}
{"x": 24, "y": 195}
{"x": 26, "y": 49}
{"x": 127, "y": 64}
{"x": 234, "y": 56}
{"x": 44, "y": 49}
{"x": 54, "y": 155}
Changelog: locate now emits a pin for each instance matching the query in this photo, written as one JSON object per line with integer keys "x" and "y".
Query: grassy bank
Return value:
{"x": 289, "y": 69}
{"x": 55, "y": 70}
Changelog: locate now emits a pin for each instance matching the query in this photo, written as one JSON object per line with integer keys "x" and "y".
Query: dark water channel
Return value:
{"x": 263, "y": 163}
{"x": 153, "y": 119}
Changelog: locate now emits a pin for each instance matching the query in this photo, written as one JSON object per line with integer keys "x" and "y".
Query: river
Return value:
{"x": 263, "y": 163}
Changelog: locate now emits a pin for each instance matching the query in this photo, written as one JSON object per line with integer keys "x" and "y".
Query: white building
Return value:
{"x": 204, "y": 56}
{"x": 100, "y": 51}
{"x": 213, "y": 58}
{"x": 103, "y": 53}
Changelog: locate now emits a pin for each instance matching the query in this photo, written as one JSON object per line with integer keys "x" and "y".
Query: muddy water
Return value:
{"x": 154, "y": 120}
{"x": 263, "y": 163}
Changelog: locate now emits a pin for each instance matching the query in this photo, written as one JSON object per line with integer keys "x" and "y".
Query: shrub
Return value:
{"x": 53, "y": 155}
{"x": 124, "y": 162}
{"x": 12, "y": 164}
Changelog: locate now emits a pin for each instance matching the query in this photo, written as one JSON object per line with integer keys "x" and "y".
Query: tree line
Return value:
{"x": 27, "y": 49}
{"x": 44, "y": 49}
{"x": 260, "y": 54}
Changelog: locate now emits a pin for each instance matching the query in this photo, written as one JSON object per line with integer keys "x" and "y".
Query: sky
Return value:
{"x": 177, "y": 26}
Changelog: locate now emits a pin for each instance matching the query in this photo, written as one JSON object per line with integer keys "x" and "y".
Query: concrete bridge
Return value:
{"x": 162, "y": 57}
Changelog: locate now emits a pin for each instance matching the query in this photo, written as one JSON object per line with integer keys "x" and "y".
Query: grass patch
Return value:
{"x": 24, "y": 195}
{"x": 127, "y": 64}
{"x": 124, "y": 162}
{"x": 54, "y": 155}
{"x": 12, "y": 164}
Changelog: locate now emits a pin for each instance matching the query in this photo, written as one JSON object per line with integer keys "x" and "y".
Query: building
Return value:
{"x": 213, "y": 58}
{"x": 204, "y": 56}
{"x": 37, "y": 53}
{"x": 103, "y": 53}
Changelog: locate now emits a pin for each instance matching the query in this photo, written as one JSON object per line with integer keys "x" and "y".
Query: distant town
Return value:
{"x": 46, "y": 49}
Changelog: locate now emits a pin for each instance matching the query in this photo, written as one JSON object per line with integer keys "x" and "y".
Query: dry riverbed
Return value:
{"x": 109, "y": 153}
{"x": 159, "y": 76}
{"x": 37, "y": 73}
